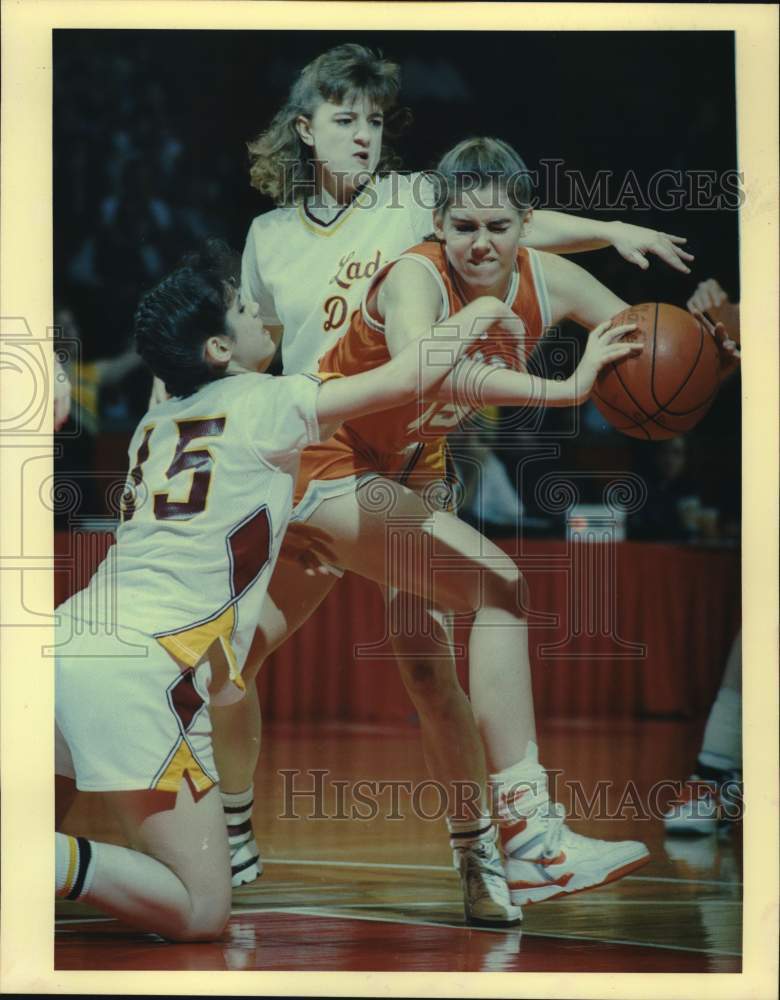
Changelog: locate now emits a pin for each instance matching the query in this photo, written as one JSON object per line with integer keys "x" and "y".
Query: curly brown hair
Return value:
{"x": 176, "y": 317}
{"x": 279, "y": 160}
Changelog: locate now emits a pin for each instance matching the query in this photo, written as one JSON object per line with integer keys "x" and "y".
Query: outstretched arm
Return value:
{"x": 711, "y": 305}
{"x": 410, "y": 302}
{"x": 575, "y": 294}
{"x": 475, "y": 386}
{"x": 558, "y": 232}
{"x": 414, "y": 372}
{"x": 710, "y": 298}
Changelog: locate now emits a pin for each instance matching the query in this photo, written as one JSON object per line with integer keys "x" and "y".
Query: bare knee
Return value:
{"x": 200, "y": 932}
{"x": 205, "y": 921}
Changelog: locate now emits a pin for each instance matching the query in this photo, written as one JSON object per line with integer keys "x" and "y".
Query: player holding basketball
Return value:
{"x": 482, "y": 209}
{"x": 338, "y": 223}
{"x": 163, "y": 628}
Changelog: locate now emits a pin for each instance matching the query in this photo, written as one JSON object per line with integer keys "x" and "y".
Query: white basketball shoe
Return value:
{"x": 246, "y": 865}
{"x": 545, "y": 859}
{"x": 706, "y": 805}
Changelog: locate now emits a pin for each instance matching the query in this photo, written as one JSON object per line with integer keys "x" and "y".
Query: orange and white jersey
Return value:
{"x": 206, "y": 505}
{"x": 308, "y": 265}
{"x": 363, "y": 347}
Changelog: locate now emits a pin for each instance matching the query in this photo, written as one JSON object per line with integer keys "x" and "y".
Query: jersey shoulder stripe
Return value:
{"x": 374, "y": 322}
{"x": 540, "y": 286}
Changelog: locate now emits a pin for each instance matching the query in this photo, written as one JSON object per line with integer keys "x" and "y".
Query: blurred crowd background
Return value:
{"x": 149, "y": 157}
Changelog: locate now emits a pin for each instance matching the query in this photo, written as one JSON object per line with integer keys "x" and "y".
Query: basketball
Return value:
{"x": 667, "y": 389}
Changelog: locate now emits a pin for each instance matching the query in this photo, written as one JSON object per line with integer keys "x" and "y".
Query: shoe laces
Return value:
{"x": 483, "y": 850}
{"x": 484, "y": 871}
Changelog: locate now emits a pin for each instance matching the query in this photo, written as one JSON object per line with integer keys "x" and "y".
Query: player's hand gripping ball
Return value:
{"x": 667, "y": 388}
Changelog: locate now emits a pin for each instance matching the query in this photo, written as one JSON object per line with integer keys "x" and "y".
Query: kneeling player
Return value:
{"x": 162, "y": 629}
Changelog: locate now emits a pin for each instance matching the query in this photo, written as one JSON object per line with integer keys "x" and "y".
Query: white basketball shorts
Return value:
{"x": 128, "y": 716}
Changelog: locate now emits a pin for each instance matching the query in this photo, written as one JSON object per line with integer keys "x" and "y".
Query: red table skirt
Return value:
{"x": 628, "y": 629}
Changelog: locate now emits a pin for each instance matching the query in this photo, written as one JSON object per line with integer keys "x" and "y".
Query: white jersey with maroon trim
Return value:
{"x": 207, "y": 502}
{"x": 307, "y": 266}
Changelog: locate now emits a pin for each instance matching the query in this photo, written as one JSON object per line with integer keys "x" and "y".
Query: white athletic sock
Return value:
{"x": 238, "y": 812}
{"x": 127, "y": 884}
{"x": 524, "y": 779}
{"x": 722, "y": 745}
{"x": 467, "y": 832}
{"x": 75, "y": 860}
{"x": 525, "y": 774}
{"x": 238, "y": 817}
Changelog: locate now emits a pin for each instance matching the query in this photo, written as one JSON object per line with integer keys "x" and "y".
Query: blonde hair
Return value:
{"x": 479, "y": 162}
{"x": 280, "y": 163}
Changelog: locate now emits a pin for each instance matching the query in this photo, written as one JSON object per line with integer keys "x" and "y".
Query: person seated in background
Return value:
{"x": 673, "y": 510}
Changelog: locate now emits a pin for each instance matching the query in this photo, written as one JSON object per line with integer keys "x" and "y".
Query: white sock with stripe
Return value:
{"x": 465, "y": 833}
{"x": 134, "y": 887}
{"x": 75, "y": 859}
{"x": 244, "y": 855}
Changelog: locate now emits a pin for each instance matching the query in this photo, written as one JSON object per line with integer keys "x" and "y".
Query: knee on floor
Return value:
{"x": 205, "y": 922}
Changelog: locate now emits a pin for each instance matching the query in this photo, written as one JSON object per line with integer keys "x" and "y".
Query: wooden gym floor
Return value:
{"x": 346, "y": 894}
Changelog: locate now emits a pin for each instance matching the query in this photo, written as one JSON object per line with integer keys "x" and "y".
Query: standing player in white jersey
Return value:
{"x": 307, "y": 263}
{"x": 163, "y": 628}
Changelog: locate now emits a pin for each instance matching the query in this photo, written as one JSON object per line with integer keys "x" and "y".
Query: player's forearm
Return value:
{"x": 474, "y": 385}
{"x": 395, "y": 383}
{"x": 414, "y": 372}
{"x": 558, "y": 232}
{"x": 422, "y": 361}
{"x": 444, "y": 346}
